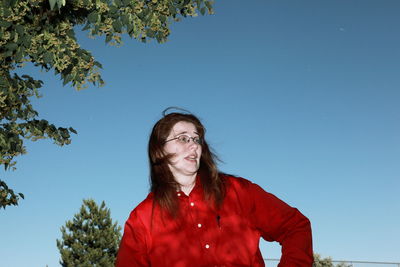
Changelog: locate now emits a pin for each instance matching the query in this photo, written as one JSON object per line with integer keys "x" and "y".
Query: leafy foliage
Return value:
{"x": 42, "y": 32}
{"x": 327, "y": 262}
{"x": 8, "y": 197}
{"x": 90, "y": 238}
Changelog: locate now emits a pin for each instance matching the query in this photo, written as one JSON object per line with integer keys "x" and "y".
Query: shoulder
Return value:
{"x": 237, "y": 182}
{"x": 241, "y": 188}
{"x": 142, "y": 213}
{"x": 146, "y": 204}
{"x": 245, "y": 190}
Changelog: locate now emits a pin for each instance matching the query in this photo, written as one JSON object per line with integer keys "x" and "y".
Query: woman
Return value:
{"x": 196, "y": 216}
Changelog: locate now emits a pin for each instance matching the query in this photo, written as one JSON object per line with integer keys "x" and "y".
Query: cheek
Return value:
{"x": 169, "y": 149}
{"x": 173, "y": 149}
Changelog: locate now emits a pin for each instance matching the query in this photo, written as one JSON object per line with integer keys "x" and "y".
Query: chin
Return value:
{"x": 191, "y": 172}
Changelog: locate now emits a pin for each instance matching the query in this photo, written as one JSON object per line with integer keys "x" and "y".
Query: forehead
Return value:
{"x": 183, "y": 127}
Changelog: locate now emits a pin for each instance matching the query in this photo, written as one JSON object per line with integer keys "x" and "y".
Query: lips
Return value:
{"x": 192, "y": 157}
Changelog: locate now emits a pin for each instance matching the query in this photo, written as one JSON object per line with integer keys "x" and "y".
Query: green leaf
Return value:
{"x": 108, "y": 38}
{"x": 98, "y": 64}
{"x": 6, "y": 4}
{"x": 208, "y": 5}
{"x": 27, "y": 41}
{"x": 71, "y": 34}
{"x": 52, "y": 4}
{"x": 73, "y": 130}
{"x": 163, "y": 19}
{"x": 67, "y": 79}
{"x": 7, "y": 12}
{"x": 11, "y": 46}
{"x": 118, "y": 3}
{"x": 13, "y": 3}
{"x": 113, "y": 9}
{"x": 19, "y": 29}
{"x": 48, "y": 58}
{"x": 125, "y": 19}
{"x": 19, "y": 55}
{"x": 129, "y": 28}
{"x": 117, "y": 25}
{"x": 93, "y": 17}
{"x": 150, "y": 33}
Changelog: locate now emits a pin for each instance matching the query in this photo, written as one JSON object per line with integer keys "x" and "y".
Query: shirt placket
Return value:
{"x": 196, "y": 223}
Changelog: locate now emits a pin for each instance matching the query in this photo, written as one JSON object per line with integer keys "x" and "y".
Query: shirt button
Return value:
{"x": 191, "y": 204}
{"x": 207, "y": 246}
{"x": 179, "y": 194}
{"x": 199, "y": 225}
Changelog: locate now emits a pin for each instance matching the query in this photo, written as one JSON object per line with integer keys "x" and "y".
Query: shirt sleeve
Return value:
{"x": 133, "y": 247}
{"x": 277, "y": 221}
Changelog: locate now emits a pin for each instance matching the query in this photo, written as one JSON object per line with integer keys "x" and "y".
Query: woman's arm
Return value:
{"x": 277, "y": 221}
{"x": 133, "y": 247}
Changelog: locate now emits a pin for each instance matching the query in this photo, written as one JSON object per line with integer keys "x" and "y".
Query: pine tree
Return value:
{"x": 90, "y": 239}
{"x": 327, "y": 262}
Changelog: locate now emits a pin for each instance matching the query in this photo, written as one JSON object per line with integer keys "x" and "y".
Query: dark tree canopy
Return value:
{"x": 42, "y": 33}
{"x": 90, "y": 238}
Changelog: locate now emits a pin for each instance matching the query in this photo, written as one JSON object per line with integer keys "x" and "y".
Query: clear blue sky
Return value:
{"x": 301, "y": 97}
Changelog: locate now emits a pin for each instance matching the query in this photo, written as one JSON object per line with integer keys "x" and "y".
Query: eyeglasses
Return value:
{"x": 184, "y": 139}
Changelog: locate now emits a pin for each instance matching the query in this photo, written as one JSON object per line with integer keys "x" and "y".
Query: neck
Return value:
{"x": 187, "y": 188}
{"x": 186, "y": 183}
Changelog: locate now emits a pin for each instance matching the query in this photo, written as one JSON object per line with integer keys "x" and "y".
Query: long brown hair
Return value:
{"x": 163, "y": 183}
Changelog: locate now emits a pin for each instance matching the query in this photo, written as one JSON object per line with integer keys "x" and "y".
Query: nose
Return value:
{"x": 192, "y": 143}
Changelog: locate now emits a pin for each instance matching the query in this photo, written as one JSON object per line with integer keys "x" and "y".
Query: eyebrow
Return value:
{"x": 184, "y": 132}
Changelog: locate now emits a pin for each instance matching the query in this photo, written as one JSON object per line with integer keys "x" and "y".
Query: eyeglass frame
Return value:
{"x": 198, "y": 142}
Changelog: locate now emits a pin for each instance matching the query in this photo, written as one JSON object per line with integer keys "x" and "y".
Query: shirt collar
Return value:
{"x": 197, "y": 189}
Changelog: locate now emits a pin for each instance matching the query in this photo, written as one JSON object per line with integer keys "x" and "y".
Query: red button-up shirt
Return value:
{"x": 202, "y": 236}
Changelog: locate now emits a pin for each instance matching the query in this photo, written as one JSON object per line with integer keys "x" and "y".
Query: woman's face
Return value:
{"x": 186, "y": 159}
